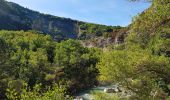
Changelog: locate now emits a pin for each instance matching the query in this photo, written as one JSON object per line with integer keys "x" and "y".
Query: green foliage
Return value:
{"x": 3, "y": 52}
{"x": 143, "y": 66}
{"x": 77, "y": 63}
{"x": 138, "y": 71}
{"x": 25, "y": 57}
{"x": 35, "y": 58}
{"x": 149, "y": 23}
{"x": 28, "y": 55}
{"x": 88, "y": 30}
{"x": 55, "y": 93}
{"x": 105, "y": 96}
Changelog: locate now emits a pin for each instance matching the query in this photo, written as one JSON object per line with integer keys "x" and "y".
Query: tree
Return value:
{"x": 25, "y": 56}
{"x": 77, "y": 63}
{"x": 53, "y": 93}
{"x": 3, "y": 65}
{"x": 138, "y": 71}
{"x": 148, "y": 39}
{"x": 3, "y": 51}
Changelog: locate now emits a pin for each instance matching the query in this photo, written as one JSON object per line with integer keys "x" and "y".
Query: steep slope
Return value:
{"x": 151, "y": 29}
{"x": 15, "y": 17}
{"x": 142, "y": 67}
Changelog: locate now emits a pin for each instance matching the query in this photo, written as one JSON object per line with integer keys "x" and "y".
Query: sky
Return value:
{"x": 107, "y": 12}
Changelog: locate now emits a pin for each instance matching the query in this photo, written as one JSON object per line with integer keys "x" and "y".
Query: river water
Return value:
{"x": 88, "y": 94}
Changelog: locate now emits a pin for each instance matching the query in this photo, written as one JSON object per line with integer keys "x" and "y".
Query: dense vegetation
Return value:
{"x": 88, "y": 30}
{"x": 33, "y": 66}
{"x": 142, "y": 65}
{"x": 32, "y": 58}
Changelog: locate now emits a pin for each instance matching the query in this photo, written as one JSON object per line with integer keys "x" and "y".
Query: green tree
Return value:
{"x": 78, "y": 64}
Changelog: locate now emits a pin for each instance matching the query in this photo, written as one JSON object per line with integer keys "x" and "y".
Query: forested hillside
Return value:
{"x": 142, "y": 64}
{"x": 15, "y": 17}
{"x": 35, "y": 67}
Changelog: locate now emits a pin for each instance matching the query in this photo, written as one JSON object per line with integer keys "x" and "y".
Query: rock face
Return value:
{"x": 100, "y": 42}
{"x": 15, "y": 17}
{"x": 116, "y": 37}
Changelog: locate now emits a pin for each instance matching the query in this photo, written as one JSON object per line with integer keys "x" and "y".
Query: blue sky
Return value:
{"x": 107, "y": 12}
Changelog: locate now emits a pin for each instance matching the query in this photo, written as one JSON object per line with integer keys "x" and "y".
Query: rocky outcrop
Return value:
{"x": 15, "y": 17}
{"x": 117, "y": 37}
